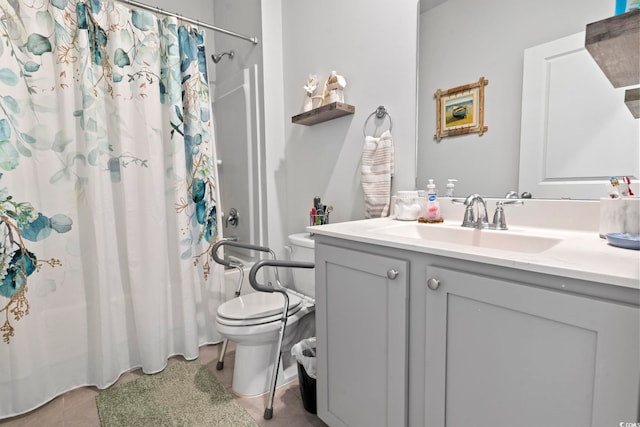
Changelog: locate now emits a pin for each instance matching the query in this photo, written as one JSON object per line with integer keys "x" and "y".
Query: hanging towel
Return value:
{"x": 377, "y": 170}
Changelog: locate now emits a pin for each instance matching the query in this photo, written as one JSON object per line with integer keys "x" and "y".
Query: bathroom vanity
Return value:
{"x": 435, "y": 325}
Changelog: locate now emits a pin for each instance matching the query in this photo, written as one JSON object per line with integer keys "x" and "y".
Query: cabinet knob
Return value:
{"x": 392, "y": 274}
{"x": 433, "y": 283}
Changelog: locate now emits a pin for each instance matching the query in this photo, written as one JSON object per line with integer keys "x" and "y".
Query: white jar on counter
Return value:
{"x": 407, "y": 205}
{"x": 619, "y": 215}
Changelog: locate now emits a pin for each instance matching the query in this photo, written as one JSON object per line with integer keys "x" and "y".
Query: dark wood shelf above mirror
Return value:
{"x": 323, "y": 113}
{"x": 632, "y": 99}
{"x": 614, "y": 43}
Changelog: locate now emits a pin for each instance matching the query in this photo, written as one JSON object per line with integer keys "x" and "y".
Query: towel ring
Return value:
{"x": 380, "y": 113}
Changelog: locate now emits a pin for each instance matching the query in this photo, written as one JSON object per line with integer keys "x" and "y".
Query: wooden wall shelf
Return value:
{"x": 323, "y": 113}
{"x": 614, "y": 43}
{"x": 632, "y": 99}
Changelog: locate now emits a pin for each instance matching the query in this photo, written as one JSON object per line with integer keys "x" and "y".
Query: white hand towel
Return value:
{"x": 377, "y": 170}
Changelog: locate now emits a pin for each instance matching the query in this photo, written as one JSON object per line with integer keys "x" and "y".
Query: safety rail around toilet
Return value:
{"x": 268, "y": 411}
{"x": 240, "y": 267}
{"x": 234, "y": 264}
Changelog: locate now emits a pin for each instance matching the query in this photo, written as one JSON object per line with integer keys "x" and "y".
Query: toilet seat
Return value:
{"x": 256, "y": 308}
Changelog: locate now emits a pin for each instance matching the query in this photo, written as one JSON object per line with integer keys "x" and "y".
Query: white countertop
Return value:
{"x": 578, "y": 254}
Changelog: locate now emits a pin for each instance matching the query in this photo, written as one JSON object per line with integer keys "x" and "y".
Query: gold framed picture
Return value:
{"x": 460, "y": 110}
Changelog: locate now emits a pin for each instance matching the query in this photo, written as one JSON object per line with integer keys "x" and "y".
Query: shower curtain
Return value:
{"x": 107, "y": 196}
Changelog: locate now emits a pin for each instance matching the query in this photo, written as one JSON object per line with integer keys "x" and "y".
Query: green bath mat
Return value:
{"x": 184, "y": 394}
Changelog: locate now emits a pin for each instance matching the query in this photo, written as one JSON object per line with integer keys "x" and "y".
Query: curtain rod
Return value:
{"x": 252, "y": 39}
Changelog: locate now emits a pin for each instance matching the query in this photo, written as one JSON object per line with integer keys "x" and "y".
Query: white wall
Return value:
{"x": 241, "y": 17}
{"x": 241, "y": 177}
{"x": 373, "y": 45}
{"x": 274, "y": 123}
{"x": 462, "y": 40}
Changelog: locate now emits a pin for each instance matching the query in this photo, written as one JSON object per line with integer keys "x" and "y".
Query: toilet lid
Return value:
{"x": 257, "y": 305}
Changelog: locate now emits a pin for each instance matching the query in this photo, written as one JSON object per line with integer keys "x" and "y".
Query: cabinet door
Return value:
{"x": 361, "y": 326}
{"x": 505, "y": 354}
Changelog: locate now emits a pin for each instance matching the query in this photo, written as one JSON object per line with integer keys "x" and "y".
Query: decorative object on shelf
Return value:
{"x": 310, "y": 87}
{"x": 335, "y": 88}
{"x": 331, "y": 103}
{"x": 380, "y": 113}
{"x": 460, "y": 110}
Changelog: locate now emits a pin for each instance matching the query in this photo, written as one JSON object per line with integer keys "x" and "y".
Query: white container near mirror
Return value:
{"x": 407, "y": 205}
{"x": 619, "y": 215}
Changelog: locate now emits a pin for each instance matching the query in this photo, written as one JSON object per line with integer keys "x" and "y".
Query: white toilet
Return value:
{"x": 252, "y": 321}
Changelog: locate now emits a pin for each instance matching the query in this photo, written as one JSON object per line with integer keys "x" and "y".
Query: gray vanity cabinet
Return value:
{"x": 499, "y": 353}
{"x": 413, "y": 339}
{"x": 361, "y": 325}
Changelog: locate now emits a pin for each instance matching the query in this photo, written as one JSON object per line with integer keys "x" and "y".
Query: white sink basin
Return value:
{"x": 507, "y": 240}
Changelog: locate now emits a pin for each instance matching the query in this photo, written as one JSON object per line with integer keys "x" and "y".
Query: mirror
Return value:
{"x": 461, "y": 41}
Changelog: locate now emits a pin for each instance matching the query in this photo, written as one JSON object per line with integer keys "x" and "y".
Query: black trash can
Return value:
{"x": 305, "y": 354}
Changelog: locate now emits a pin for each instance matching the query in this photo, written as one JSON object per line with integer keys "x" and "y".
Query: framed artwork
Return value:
{"x": 460, "y": 110}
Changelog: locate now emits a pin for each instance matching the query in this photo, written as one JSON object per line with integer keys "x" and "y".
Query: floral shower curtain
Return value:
{"x": 107, "y": 196}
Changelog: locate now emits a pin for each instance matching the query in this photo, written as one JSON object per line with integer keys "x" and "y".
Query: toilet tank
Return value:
{"x": 302, "y": 249}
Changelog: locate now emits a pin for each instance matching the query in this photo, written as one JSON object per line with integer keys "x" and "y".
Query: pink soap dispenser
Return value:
{"x": 432, "y": 207}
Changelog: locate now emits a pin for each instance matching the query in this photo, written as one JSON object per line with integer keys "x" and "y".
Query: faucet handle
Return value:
{"x": 511, "y": 195}
{"x": 499, "y": 220}
{"x": 511, "y": 198}
{"x": 510, "y": 202}
{"x": 470, "y": 200}
{"x": 232, "y": 218}
{"x": 469, "y": 217}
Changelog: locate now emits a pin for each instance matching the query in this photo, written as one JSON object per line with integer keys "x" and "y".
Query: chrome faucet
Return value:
{"x": 479, "y": 218}
{"x": 232, "y": 218}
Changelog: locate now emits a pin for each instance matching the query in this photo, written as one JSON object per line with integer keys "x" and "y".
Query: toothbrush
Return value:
{"x": 614, "y": 190}
{"x": 628, "y": 181}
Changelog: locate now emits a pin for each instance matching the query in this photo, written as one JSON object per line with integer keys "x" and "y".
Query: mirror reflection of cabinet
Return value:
{"x": 575, "y": 130}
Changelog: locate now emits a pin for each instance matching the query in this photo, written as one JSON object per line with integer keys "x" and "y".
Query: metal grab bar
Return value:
{"x": 240, "y": 267}
{"x": 223, "y": 242}
{"x": 235, "y": 243}
{"x": 273, "y": 263}
{"x": 268, "y": 411}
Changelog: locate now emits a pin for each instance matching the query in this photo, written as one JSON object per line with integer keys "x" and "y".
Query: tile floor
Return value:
{"x": 77, "y": 408}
